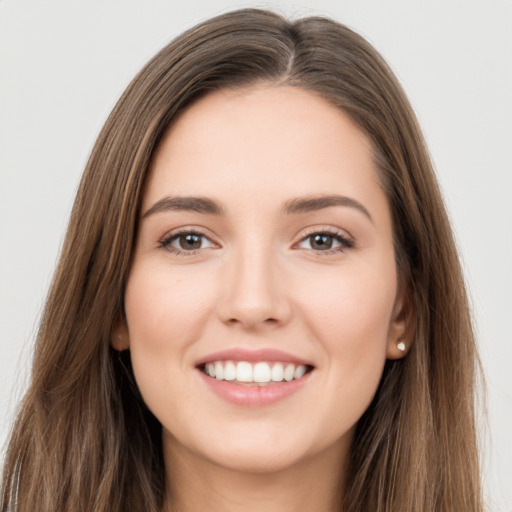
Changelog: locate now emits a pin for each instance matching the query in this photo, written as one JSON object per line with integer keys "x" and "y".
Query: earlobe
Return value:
{"x": 401, "y": 332}
{"x": 120, "y": 336}
{"x": 397, "y": 349}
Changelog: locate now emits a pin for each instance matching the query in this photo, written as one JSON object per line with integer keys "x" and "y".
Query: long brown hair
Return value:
{"x": 84, "y": 440}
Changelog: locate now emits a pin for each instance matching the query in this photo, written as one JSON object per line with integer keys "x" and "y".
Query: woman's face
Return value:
{"x": 264, "y": 251}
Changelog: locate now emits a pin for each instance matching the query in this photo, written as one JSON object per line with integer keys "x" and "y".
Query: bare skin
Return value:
{"x": 193, "y": 487}
{"x": 263, "y": 228}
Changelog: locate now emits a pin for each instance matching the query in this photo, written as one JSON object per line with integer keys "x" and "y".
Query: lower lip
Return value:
{"x": 254, "y": 396}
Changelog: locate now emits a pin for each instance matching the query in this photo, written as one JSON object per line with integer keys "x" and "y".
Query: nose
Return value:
{"x": 255, "y": 295}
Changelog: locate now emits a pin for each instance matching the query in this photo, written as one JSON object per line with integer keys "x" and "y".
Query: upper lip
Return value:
{"x": 254, "y": 355}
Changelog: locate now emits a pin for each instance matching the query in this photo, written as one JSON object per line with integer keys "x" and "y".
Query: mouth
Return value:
{"x": 256, "y": 373}
{"x": 256, "y": 377}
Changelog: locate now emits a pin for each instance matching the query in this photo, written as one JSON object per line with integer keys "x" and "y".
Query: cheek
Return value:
{"x": 351, "y": 302}
{"x": 164, "y": 308}
{"x": 166, "y": 313}
{"x": 350, "y": 324}
{"x": 349, "y": 315}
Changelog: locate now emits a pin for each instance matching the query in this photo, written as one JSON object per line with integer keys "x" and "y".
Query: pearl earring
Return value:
{"x": 401, "y": 346}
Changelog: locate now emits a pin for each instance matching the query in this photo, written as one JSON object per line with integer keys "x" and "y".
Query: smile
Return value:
{"x": 254, "y": 378}
{"x": 257, "y": 373}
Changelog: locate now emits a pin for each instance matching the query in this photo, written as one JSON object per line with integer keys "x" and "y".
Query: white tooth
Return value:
{"x": 277, "y": 372}
{"x": 299, "y": 371}
{"x": 210, "y": 369}
{"x": 230, "y": 371}
{"x": 288, "y": 372}
{"x": 244, "y": 372}
{"x": 261, "y": 372}
{"x": 219, "y": 371}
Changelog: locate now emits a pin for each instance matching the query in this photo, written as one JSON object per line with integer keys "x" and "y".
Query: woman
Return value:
{"x": 259, "y": 304}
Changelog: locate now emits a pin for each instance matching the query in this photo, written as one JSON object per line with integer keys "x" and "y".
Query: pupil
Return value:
{"x": 322, "y": 242}
{"x": 190, "y": 241}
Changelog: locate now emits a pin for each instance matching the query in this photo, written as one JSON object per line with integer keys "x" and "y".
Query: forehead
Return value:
{"x": 277, "y": 141}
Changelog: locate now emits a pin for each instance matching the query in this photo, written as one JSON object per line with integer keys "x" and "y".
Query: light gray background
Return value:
{"x": 64, "y": 63}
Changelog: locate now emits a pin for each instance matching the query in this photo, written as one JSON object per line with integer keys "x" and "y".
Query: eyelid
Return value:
{"x": 346, "y": 240}
{"x": 166, "y": 240}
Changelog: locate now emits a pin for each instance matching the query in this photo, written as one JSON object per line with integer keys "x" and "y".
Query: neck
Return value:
{"x": 314, "y": 484}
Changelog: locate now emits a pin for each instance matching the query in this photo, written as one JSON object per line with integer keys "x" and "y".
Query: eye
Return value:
{"x": 186, "y": 242}
{"x": 325, "y": 241}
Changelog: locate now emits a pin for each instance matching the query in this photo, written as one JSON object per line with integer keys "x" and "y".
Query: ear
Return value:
{"x": 402, "y": 326}
{"x": 120, "y": 336}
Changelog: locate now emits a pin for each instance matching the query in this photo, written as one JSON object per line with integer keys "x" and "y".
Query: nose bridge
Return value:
{"x": 254, "y": 293}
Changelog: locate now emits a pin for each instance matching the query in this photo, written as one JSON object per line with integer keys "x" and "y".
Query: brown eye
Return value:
{"x": 190, "y": 241}
{"x": 186, "y": 242}
{"x": 321, "y": 242}
{"x": 326, "y": 242}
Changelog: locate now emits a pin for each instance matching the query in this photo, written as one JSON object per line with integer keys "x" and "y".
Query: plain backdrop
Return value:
{"x": 63, "y": 64}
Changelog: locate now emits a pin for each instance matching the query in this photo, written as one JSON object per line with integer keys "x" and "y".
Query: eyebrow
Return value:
{"x": 193, "y": 204}
{"x": 310, "y": 204}
{"x": 298, "y": 205}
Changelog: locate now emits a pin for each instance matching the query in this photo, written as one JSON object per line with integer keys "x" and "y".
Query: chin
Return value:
{"x": 257, "y": 460}
{"x": 257, "y": 448}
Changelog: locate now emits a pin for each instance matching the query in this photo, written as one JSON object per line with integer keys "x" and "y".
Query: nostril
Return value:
{"x": 252, "y": 322}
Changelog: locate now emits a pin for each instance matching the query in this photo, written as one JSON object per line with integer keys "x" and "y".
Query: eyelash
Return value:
{"x": 344, "y": 241}
{"x": 165, "y": 243}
